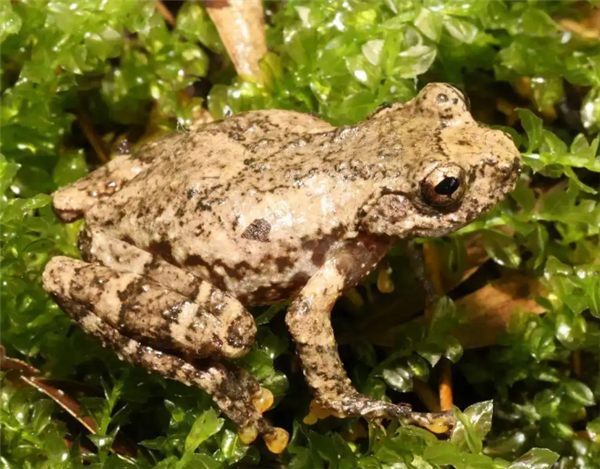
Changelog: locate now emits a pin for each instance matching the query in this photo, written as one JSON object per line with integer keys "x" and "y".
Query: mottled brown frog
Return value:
{"x": 264, "y": 206}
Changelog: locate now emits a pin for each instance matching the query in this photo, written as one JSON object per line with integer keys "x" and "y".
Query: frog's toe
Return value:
{"x": 277, "y": 440}
{"x": 248, "y": 434}
{"x": 263, "y": 400}
{"x": 317, "y": 412}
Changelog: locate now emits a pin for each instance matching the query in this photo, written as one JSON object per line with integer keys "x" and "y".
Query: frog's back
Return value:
{"x": 248, "y": 204}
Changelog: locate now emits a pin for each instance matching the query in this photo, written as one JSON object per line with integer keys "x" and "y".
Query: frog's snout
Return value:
{"x": 508, "y": 173}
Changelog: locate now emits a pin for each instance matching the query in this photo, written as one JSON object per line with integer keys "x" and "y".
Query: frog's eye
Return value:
{"x": 444, "y": 186}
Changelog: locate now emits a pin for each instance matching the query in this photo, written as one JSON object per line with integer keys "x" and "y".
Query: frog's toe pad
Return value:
{"x": 263, "y": 400}
{"x": 277, "y": 440}
{"x": 248, "y": 434}
{"x": 310, "y": 419}
{"x": 317, "y": 412}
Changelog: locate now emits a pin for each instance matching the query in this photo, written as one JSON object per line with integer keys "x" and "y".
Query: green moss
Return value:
{"x": 340, "y": 60}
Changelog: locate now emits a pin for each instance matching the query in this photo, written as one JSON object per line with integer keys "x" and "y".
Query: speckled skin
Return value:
{"x": 267, "y": 206}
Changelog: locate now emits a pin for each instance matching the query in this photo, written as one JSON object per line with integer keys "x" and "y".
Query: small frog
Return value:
{"x": 188, "y": 230}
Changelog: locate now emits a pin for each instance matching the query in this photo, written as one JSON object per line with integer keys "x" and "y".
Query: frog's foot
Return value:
{"x": 435, "y": 422}
{"x": 263, "y": 400}
{"x": 277, "y": 440}
{"x": 354, "y": 404}
{"x": 308, "y": 320}
{"x": 231, "y": 388}
{"x": 150, "y": 325}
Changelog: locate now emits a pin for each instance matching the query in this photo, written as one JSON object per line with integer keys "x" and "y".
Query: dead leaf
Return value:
{"x": 436, "y": 254}
{"x": 22, "y": 375}
{"x": 7, "y": 363}
{"x": 488, "y": 309}
{"x": 66, "y": 402}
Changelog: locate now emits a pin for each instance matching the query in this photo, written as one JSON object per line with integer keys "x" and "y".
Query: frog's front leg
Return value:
{"x": 308, "y": 320}
{"x": 166, "y": 332}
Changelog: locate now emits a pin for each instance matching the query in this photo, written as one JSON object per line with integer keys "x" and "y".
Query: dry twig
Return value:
{"x": 94, "y": 139}
{"x": 426, "y": 395}
{"x": 165, "y": 13}
{"x": 241, "y": 25}
{"x": 446, "y": 394}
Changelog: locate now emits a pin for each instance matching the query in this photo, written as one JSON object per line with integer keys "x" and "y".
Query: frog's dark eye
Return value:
{"x": 444, "y": 186}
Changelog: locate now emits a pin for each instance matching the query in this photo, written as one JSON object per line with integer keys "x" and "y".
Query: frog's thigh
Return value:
{"x": 72, "y": 201}
{"x": 308, "y": 320}
{"x": 228, "y": 385}
{"x": 150, "y": 312}
{"x": 99, "y": 247}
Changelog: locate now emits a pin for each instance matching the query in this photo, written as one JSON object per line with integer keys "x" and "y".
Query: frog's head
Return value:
{"x": 453, "y": 169}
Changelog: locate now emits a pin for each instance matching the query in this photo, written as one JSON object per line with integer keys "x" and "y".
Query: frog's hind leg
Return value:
{"x": 309, "y": 322}
{"x": 153, "y": 313}
{"x": 227, "y": 384}
{"x": 166, "y": 332}
{"x": 96, "y": 246}
{"x": 236, "y": 325}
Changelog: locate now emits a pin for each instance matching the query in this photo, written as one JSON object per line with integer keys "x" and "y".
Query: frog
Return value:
{"x": 187, "y": 231}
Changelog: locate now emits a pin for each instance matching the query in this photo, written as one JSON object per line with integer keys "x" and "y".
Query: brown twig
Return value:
{"x": 94, "y": 139}
{"x": 66, "y": 402}
{"x": 432, "y": 261}
{"x": 165, "y": 13}
{"x": 426, "y": 395}
{"x": 120, "y": 446}
{"x": 446, "y": 397}
{"x": 422, "y": 272}
{"x": 432, "y": 270}
{"x": 24, "y": 375}
{"x": 85, "y": 452}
